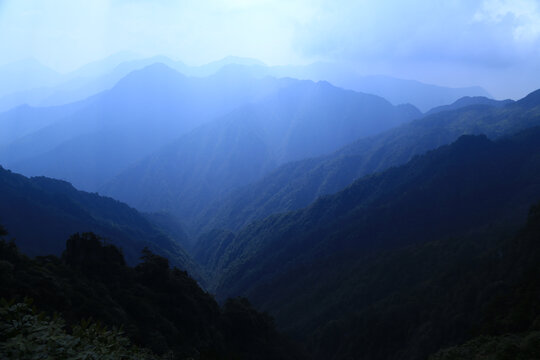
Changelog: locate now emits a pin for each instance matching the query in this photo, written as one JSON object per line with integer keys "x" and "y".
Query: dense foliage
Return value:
{"x": 41, "y": 213}
{"x": 417, "y": 245}
{"x": 159, "y": 308}
{"x": 26, "y": 334}
{"x": 447, "y": 191}
{"x": 408, "y": 303}
{"x": 511, "y": 347}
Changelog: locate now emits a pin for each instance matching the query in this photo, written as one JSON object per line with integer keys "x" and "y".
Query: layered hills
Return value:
{"x": 357, "y": 226}
{"x": 41, "y": 213}
{"x": 297, "y": 184}
{"x": 383, "y": 248}
{"x": 302, "y": 120}
{"x": 143, "y": 112}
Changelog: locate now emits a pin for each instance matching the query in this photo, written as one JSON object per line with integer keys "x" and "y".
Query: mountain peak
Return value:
{"x": 531, "y": 100}
{"x": 469, "y": 101}
{"x": 158, "y": 67}
{"x": 157, "y": 73}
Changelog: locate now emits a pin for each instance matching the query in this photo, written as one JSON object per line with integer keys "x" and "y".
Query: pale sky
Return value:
{"x": 491, "y": 43}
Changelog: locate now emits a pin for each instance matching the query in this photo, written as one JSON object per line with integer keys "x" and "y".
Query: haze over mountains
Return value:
{"x": 47, "y": 88}
{"x": 302, "y": 120}
{"x": 144, "y": 108}
{"x": 371, "y": 217}
{"x": 81, "y": 143}
{"x": 297, "y": 184}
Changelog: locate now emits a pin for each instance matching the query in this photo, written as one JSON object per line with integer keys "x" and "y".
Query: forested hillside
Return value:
{"x": 159, "y": 308}
{"x": 294, "y": 264}
{"x": 270, "y": 180}
{"x": 297, "y": 184}
{"x": 41, "y": 213}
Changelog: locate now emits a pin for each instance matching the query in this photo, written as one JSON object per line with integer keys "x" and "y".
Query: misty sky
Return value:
{"x": 492, "y": 43}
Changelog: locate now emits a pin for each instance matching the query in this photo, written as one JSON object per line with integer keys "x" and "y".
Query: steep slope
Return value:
{"x": 171, "y": 226}
{"x": 302, "y": 120}
{"x": 313, "y": 268}
{"x": 297, "y": 184}
{"x": 41, "y": 213}
{"x": 157, "y": 307}
{"x": 409, "y": 303}
{"x": 148, "y": 108}
{"x": 469, "y": 101}
{"x": 457, "y": 187}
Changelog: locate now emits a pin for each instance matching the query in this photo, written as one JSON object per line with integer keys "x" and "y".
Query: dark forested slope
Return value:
{"x": 41, "y": 212}
{"x": 159, "y": 308}
{"x": 403, "y": 262}
{"x": 297, "y": 184}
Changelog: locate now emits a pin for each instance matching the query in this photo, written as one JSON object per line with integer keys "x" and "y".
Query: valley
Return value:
{"x": 361, "y": 182}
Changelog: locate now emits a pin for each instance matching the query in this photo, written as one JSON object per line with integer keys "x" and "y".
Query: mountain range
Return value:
{"x": 297, "y": 184}
{"x": 263, "y": 212}
{"x": 44, "y": 87}
{"x": 301, "y": 120}
{"x": 294, "y": 265}
{"x": 115, "y": 128}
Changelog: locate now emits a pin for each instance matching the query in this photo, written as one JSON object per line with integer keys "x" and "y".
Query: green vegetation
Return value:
{"x": 158, "y": 308}
{"x": 26, "y": 334}
{"x": 508, "y": 347}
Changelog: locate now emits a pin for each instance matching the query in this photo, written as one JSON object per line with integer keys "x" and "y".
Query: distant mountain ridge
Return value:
{"x": 104, "y": 74}
{"x": 301, "y": 120}
{"x": 397, "y": 91}
{"x": 297, "y": 184}
{"x": 143, "y": 112}
{"x": 99, "y": 76}
{"x": 469, "y": 101}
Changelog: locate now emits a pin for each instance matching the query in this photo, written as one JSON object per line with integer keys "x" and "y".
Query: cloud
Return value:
{"x": 445, "y": 41}
{"x": 524, "y": 15}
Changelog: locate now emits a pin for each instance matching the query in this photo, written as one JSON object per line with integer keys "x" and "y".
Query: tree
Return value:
{"x": 154, "y": 269}
{"x": 3, "y": 231}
